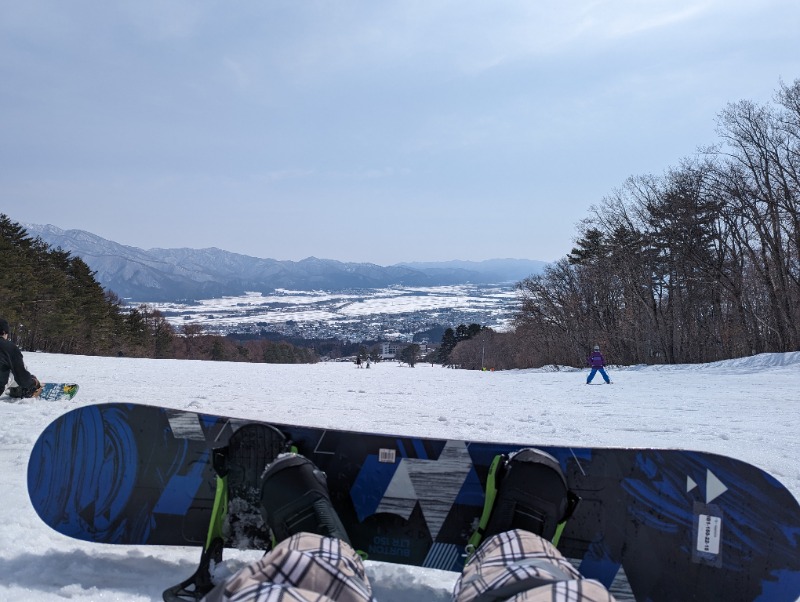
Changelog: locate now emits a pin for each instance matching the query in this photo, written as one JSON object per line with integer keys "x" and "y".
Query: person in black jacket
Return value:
{"x": 11, "y": 363}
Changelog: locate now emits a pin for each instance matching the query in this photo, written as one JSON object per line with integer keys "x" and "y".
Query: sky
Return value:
{"x": 288, "y": 129}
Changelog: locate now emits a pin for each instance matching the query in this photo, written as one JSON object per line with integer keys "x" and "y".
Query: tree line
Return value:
{"x": 699, "y": 264}
{"x": 53, "y": 303}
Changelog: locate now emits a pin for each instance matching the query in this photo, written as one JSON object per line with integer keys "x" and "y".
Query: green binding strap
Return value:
{"x": 200, "y": 583}
{"x": 488, "y": 504}
{"x": 219, "y": 511}
{"x": 559, "y": 531}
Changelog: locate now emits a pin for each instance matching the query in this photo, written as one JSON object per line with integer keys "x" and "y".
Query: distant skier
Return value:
{"x": 597, "y": 362}
{"x": 11, "y": 363}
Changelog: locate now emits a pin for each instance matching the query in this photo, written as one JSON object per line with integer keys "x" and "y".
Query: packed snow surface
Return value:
{"x": 746, "y": 408}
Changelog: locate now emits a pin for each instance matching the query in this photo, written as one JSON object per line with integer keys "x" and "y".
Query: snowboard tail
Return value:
{"x": 657, "y": 524}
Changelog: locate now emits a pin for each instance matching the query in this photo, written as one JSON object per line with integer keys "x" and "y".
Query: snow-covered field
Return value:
{"x": 745, "y": 408}
{"x": 491, "y": 305}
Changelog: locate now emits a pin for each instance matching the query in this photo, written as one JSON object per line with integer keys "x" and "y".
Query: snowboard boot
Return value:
{"x": 242, "y": 462}
{"x": 530, "y": 493}
{"x": 295, "y": 499}
{"x": 23, "y": 392}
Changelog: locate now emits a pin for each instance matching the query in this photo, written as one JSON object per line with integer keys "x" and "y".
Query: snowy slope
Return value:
{"x": 746, "y": 408}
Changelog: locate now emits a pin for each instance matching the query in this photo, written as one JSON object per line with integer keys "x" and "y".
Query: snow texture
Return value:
{"x": 747, "y": 408}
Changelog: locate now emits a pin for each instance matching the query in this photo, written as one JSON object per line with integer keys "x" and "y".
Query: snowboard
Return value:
{"x": 58, "y": 391}
{"x": 654, "y": 524}
{"x": 53, "y": 392}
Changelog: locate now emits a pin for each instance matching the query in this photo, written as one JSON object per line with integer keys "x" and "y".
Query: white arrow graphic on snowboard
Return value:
{"x": 714, "y": 487}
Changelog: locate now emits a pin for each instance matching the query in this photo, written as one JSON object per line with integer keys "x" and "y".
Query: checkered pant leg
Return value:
{"x": 304, "y": 568}
{"x": 519, "y": 566}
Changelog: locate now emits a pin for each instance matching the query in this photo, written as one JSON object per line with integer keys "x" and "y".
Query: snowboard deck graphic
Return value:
{"x": 662, "y": 524}
{"x": 57, "y": 391}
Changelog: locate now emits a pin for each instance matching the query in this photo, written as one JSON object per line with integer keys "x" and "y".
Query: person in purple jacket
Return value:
{"x": 597, "y": 362}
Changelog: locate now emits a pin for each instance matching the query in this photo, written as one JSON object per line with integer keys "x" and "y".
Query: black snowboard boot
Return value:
{"x": 295, "y": 498}
{"x": 532, "y": 494}
{"x": 21, "y": 392}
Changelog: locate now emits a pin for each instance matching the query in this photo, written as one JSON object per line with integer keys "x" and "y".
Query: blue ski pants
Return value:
{"x": 602, "y": 372}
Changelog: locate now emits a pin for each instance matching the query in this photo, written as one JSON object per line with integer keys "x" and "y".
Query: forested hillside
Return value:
{"x": 51, "y": 299}
{"x": 699, "y": 264}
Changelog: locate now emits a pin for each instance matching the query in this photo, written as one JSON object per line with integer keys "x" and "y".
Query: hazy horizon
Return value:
{"x": 30, "y": 225}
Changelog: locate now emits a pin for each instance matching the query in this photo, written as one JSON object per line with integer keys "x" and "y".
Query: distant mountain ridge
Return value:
{"x": 500, "y": 270}
{"x": 181, "y": 274}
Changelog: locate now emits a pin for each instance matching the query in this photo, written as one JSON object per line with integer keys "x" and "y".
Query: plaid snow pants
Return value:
{"x": 518, "y": 566}
{"x": 304, "y": 568}
{"x": 515, "y": 566}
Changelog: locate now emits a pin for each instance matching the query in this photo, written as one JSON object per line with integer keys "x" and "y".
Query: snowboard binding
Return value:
{"x": 242, "y": 463}
{"x": 525, "y": 490}
{"x": 236, "y": 516}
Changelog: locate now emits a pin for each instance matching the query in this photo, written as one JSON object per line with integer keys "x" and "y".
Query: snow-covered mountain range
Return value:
{"x": 180, "y": 274}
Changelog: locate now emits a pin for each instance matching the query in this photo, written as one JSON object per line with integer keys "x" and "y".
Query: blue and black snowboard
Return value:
{"x": 660, "y": 524}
